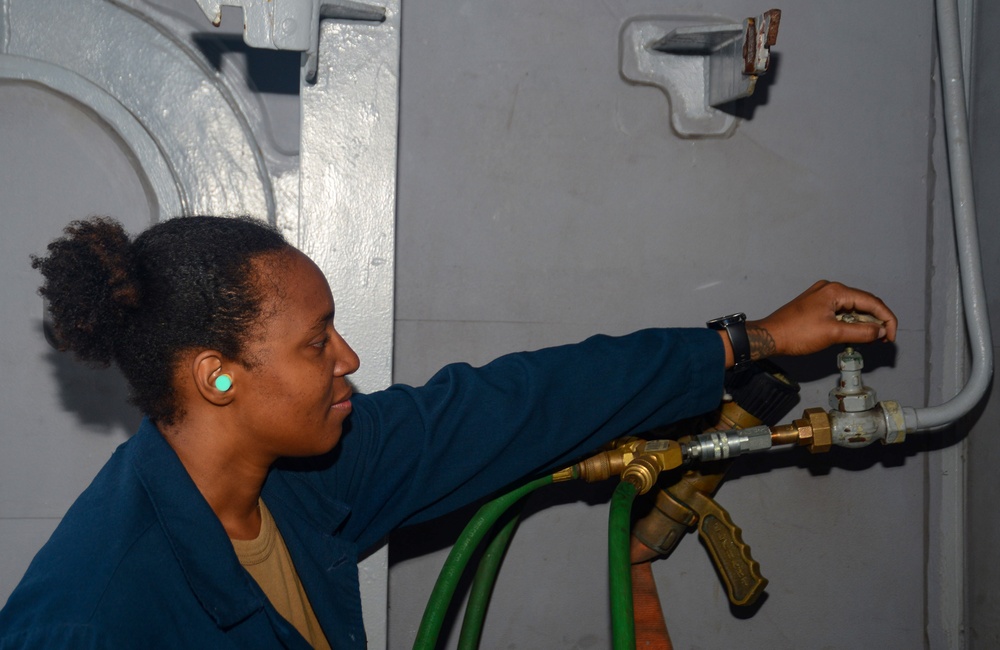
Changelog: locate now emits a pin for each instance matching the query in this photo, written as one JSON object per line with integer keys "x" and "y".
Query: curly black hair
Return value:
{"x": 185, "y": 283}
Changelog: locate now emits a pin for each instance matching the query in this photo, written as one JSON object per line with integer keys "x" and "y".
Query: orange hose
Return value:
{"x": 650, "y": 626}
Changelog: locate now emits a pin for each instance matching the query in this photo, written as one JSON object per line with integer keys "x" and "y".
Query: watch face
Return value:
{"x": 725, "y": 321}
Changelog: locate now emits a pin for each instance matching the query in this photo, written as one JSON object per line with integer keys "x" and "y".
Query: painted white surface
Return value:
{"x": 59, "y": 420}
{"x": 217, "y": 166}
{"x": 347, "y": 214}
{"x": 186, "y": 113}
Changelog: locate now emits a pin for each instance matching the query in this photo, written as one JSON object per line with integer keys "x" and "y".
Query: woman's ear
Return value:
{"x": 214, "y": 377}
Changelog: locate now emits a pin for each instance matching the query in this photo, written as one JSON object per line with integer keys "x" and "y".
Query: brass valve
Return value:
{"x": 657, "y": 456}
{"x": 637, "y": 460}
{"x": 617, "y": 455}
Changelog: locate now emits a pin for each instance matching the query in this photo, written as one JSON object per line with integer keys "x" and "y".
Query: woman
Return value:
{"x": 234, "y": 517}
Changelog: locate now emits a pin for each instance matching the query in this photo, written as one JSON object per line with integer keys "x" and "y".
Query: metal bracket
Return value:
{"x": 291, "y": 24}
{"x": 699, "y": 66}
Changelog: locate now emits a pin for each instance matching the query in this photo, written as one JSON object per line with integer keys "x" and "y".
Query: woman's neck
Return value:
{"x": 228, "y": 479}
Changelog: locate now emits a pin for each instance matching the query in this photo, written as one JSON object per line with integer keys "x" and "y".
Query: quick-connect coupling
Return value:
{"x": 719, "y": 445}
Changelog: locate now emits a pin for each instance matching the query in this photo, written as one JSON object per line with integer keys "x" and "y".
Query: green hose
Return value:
{"x": 620, "y": 567}
{"x": 482, "y": 584}
{"x": 454, "y": 566}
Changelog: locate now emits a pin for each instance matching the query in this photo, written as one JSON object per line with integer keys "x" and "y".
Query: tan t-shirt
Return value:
{"x": 266, "y": 559}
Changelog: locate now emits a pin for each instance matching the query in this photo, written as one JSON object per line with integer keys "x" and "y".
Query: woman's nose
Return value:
{"x": 347, "y": 359}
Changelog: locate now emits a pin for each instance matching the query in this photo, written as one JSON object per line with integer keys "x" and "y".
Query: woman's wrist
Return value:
{"x": 761, "y": 342}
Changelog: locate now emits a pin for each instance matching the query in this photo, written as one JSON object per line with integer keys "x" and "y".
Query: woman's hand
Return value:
{"x": 810, "y": 322}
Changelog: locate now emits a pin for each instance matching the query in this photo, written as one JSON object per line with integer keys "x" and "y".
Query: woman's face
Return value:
{"x": 294, "y": 397}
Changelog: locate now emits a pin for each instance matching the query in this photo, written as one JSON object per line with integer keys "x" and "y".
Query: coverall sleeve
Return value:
{"x": 410, "y": 454}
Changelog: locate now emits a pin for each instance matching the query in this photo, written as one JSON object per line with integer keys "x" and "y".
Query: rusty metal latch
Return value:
{"x": 291, "y": 24}
{"x": 700, "y": 63}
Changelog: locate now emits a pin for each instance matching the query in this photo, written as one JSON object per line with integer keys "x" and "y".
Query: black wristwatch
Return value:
{"x": 736, "y": 327}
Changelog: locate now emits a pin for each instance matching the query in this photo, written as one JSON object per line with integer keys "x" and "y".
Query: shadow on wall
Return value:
{"x": 268, "y": 71}
{"x": 822, "y": 366}
{"x": 744, "y": 108}
{"x": 98, "y": 397}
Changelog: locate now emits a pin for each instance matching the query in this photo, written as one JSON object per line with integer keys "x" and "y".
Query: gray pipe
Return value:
{"x": 966, "y": 235}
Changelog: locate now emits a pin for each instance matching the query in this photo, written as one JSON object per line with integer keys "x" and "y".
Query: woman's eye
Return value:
{"x": 321, "y": 343}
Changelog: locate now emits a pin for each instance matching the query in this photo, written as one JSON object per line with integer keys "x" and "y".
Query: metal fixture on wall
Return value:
{"x": 291, "y": 24}
{"x": 197, "y": 149}
{"x": 210, "y": 165}
{"x": 700, "y": 63}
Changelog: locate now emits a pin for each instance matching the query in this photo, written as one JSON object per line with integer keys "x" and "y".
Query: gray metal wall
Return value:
{"x": 54, "y": 159}
{"x": 541, "y": 198}
{"x": 984, "y": 444}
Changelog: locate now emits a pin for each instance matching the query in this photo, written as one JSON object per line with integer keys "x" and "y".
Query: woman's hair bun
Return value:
{"x": 91, "y": 286}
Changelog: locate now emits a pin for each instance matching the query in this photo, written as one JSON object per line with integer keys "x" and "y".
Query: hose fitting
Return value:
{"x": 813, "y": 429}
{"x": 820, "y": 430}
{"x": 611, "y": 461}
{"x": 657, "y": 456}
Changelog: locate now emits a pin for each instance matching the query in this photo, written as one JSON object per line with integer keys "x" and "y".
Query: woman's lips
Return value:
{"x": 343, "y": 405}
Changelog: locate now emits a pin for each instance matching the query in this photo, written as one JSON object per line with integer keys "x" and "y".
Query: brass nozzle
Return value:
{"x": 567, "y": 474}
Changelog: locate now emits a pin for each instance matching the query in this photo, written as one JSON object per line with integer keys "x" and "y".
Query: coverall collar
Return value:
{"x": 196, "y": 536}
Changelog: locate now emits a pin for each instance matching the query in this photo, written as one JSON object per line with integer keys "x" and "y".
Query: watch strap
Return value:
{"x": 740, "y": 341}
{"x": 736, "y": 328}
